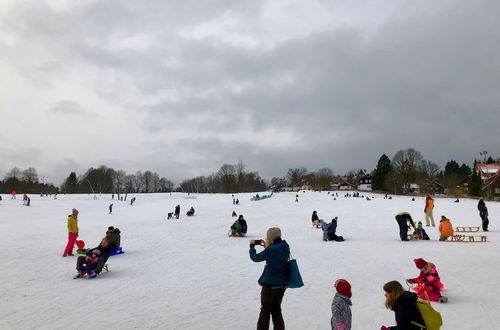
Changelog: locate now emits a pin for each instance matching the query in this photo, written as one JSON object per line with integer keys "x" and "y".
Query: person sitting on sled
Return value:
{"x": 90, "y": 264}
{"x": 190, "y": 212}
{"x": 421, "y": 232}
{"x": 239, "y": 227}
{"x": 316, "y": 221}
{"x": 428, "y": 284}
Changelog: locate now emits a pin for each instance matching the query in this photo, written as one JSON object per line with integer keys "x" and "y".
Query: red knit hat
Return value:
{"x": 343, "y": 287}
{"x": 420, "y": 263}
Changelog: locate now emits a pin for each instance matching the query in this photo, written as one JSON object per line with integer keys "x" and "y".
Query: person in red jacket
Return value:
{"x": 428, "y": 284}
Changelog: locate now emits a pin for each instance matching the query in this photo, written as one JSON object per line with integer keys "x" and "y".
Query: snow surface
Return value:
{"x": 188, "y": 274}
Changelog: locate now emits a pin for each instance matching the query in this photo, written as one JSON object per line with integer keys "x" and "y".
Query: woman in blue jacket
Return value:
{"x": 274, "y": 278}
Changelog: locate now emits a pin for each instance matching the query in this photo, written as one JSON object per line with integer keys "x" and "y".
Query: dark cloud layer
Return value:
{"x": 214, "y": 83}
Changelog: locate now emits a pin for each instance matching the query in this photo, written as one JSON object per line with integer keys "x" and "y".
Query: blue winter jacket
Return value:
{"x": 277, "y": 267}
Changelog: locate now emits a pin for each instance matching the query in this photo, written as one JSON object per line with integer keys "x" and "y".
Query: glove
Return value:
{"x": 384, "y": 328}
{"x": 410, "y": 280}
{"x": 340, "y": 325}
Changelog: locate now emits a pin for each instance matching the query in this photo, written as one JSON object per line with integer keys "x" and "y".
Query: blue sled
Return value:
{"x": 117, "y": 251}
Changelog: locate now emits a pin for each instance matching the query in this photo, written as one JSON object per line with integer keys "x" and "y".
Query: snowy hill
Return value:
{"x": 188, "y": 274}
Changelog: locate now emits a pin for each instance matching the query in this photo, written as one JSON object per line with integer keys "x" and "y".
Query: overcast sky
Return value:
{"x": 182, "y": 87}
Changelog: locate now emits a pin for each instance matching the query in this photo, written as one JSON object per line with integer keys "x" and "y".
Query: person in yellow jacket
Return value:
{"x": 72, "y": 233}
{"x": 445, "y": 228}
{"x": 429, "y": 206}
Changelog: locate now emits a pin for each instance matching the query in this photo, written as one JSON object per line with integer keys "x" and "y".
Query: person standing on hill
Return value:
{"x": 177, "y": 211}
{"x": 429, "y": 206}
{"x": 341, "y": 306}
{"x": 402, "y": 218}
{"x": 72, "y": 233}
{"x": 483, "y": 213}
{"x": 274, "y": 278}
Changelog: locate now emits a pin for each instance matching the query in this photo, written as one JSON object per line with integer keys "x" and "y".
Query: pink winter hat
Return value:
{"x": 420, "y": 263}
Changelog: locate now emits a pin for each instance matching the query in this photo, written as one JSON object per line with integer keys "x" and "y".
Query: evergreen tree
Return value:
{"x": 475, "y": 184}
{"x": 71, "y": 183}
{"x": 380, "y": 173}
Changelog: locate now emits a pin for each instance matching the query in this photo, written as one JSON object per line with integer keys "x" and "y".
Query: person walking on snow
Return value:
{"x": 72, "y": 233}
{"x": 274, "y": 277}
{"x": 402, "y": 218}
{"x": 428, "y": 283}
{"x": 110, "y": 208}
{"x": 483, "y": 213}
{"x": 341, "y": 306}
{"x": 429, "y": 206}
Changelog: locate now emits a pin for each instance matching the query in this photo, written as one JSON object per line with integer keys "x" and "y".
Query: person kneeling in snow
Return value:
{"x": 421, "y": 232}
{"x": 341, "y": 306}
{"x": 329, "y": 231}
{"x": 428, "y": 283}
{"x": 445, "y": 228}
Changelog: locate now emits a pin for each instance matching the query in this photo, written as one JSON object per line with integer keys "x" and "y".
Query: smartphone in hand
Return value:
{"x": 258, "y": 242}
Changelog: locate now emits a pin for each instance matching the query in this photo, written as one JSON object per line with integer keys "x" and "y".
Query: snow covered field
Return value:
{"x": 188, "y": 274}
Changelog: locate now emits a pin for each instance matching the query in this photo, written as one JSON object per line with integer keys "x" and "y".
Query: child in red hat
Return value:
{"x": 428, "y": 283}
{"x": 341, "y": 306}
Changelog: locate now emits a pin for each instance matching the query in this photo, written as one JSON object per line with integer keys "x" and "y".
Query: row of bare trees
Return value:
{"x": 107, "y": 180}
{"x": 25, "y": 181}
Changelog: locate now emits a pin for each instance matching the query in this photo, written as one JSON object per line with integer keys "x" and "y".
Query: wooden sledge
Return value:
{"x": 468, "y": 239}
{"x": 234, "y": 233}
{"x": 467, "y": 229}
{"x": 415, "y": 237}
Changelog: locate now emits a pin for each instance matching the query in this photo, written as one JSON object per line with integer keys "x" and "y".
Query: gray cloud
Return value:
{"x": 68, "y": 107}
{"x": 197, "y": 85}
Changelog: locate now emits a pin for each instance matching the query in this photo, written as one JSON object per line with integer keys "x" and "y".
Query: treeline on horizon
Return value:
{"x": 395, "y": 176}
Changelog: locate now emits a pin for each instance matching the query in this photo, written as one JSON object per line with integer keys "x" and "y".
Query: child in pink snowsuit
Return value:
{"x": 428, "y": 283}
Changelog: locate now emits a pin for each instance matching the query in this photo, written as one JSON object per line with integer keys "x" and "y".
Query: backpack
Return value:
{"x": 432, "y": 317}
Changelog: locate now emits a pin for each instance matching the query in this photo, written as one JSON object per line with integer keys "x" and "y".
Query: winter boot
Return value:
{"x": 443, "y": 299}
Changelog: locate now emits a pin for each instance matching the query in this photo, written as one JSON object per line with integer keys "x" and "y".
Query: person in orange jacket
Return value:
{"x": 445, "y": 228}
{"x": 72, "y": 233}
{"x": 429, "y": 206}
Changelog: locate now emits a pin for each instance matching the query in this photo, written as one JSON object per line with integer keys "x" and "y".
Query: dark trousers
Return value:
{"x": 403, "y": 227}
{"x": 486, "y": 222}
{"x": 98, "y": 268}
{"x": 270, "y": 299}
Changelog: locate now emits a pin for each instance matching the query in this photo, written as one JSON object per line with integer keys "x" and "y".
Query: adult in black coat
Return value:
{"x": 402, "y": 219}
{"x": 403, "y": 303}
{"x": 483, "y": 213}
{"x": 177, "y": 211}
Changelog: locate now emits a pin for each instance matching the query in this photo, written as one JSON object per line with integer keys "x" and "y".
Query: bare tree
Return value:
{"x": 405, "y": 164}
{"x": 30, "y": 175}
{"x": 295, "y": 176}
{"x": 324, "y": 178}
{"x": 14, "y": 173}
